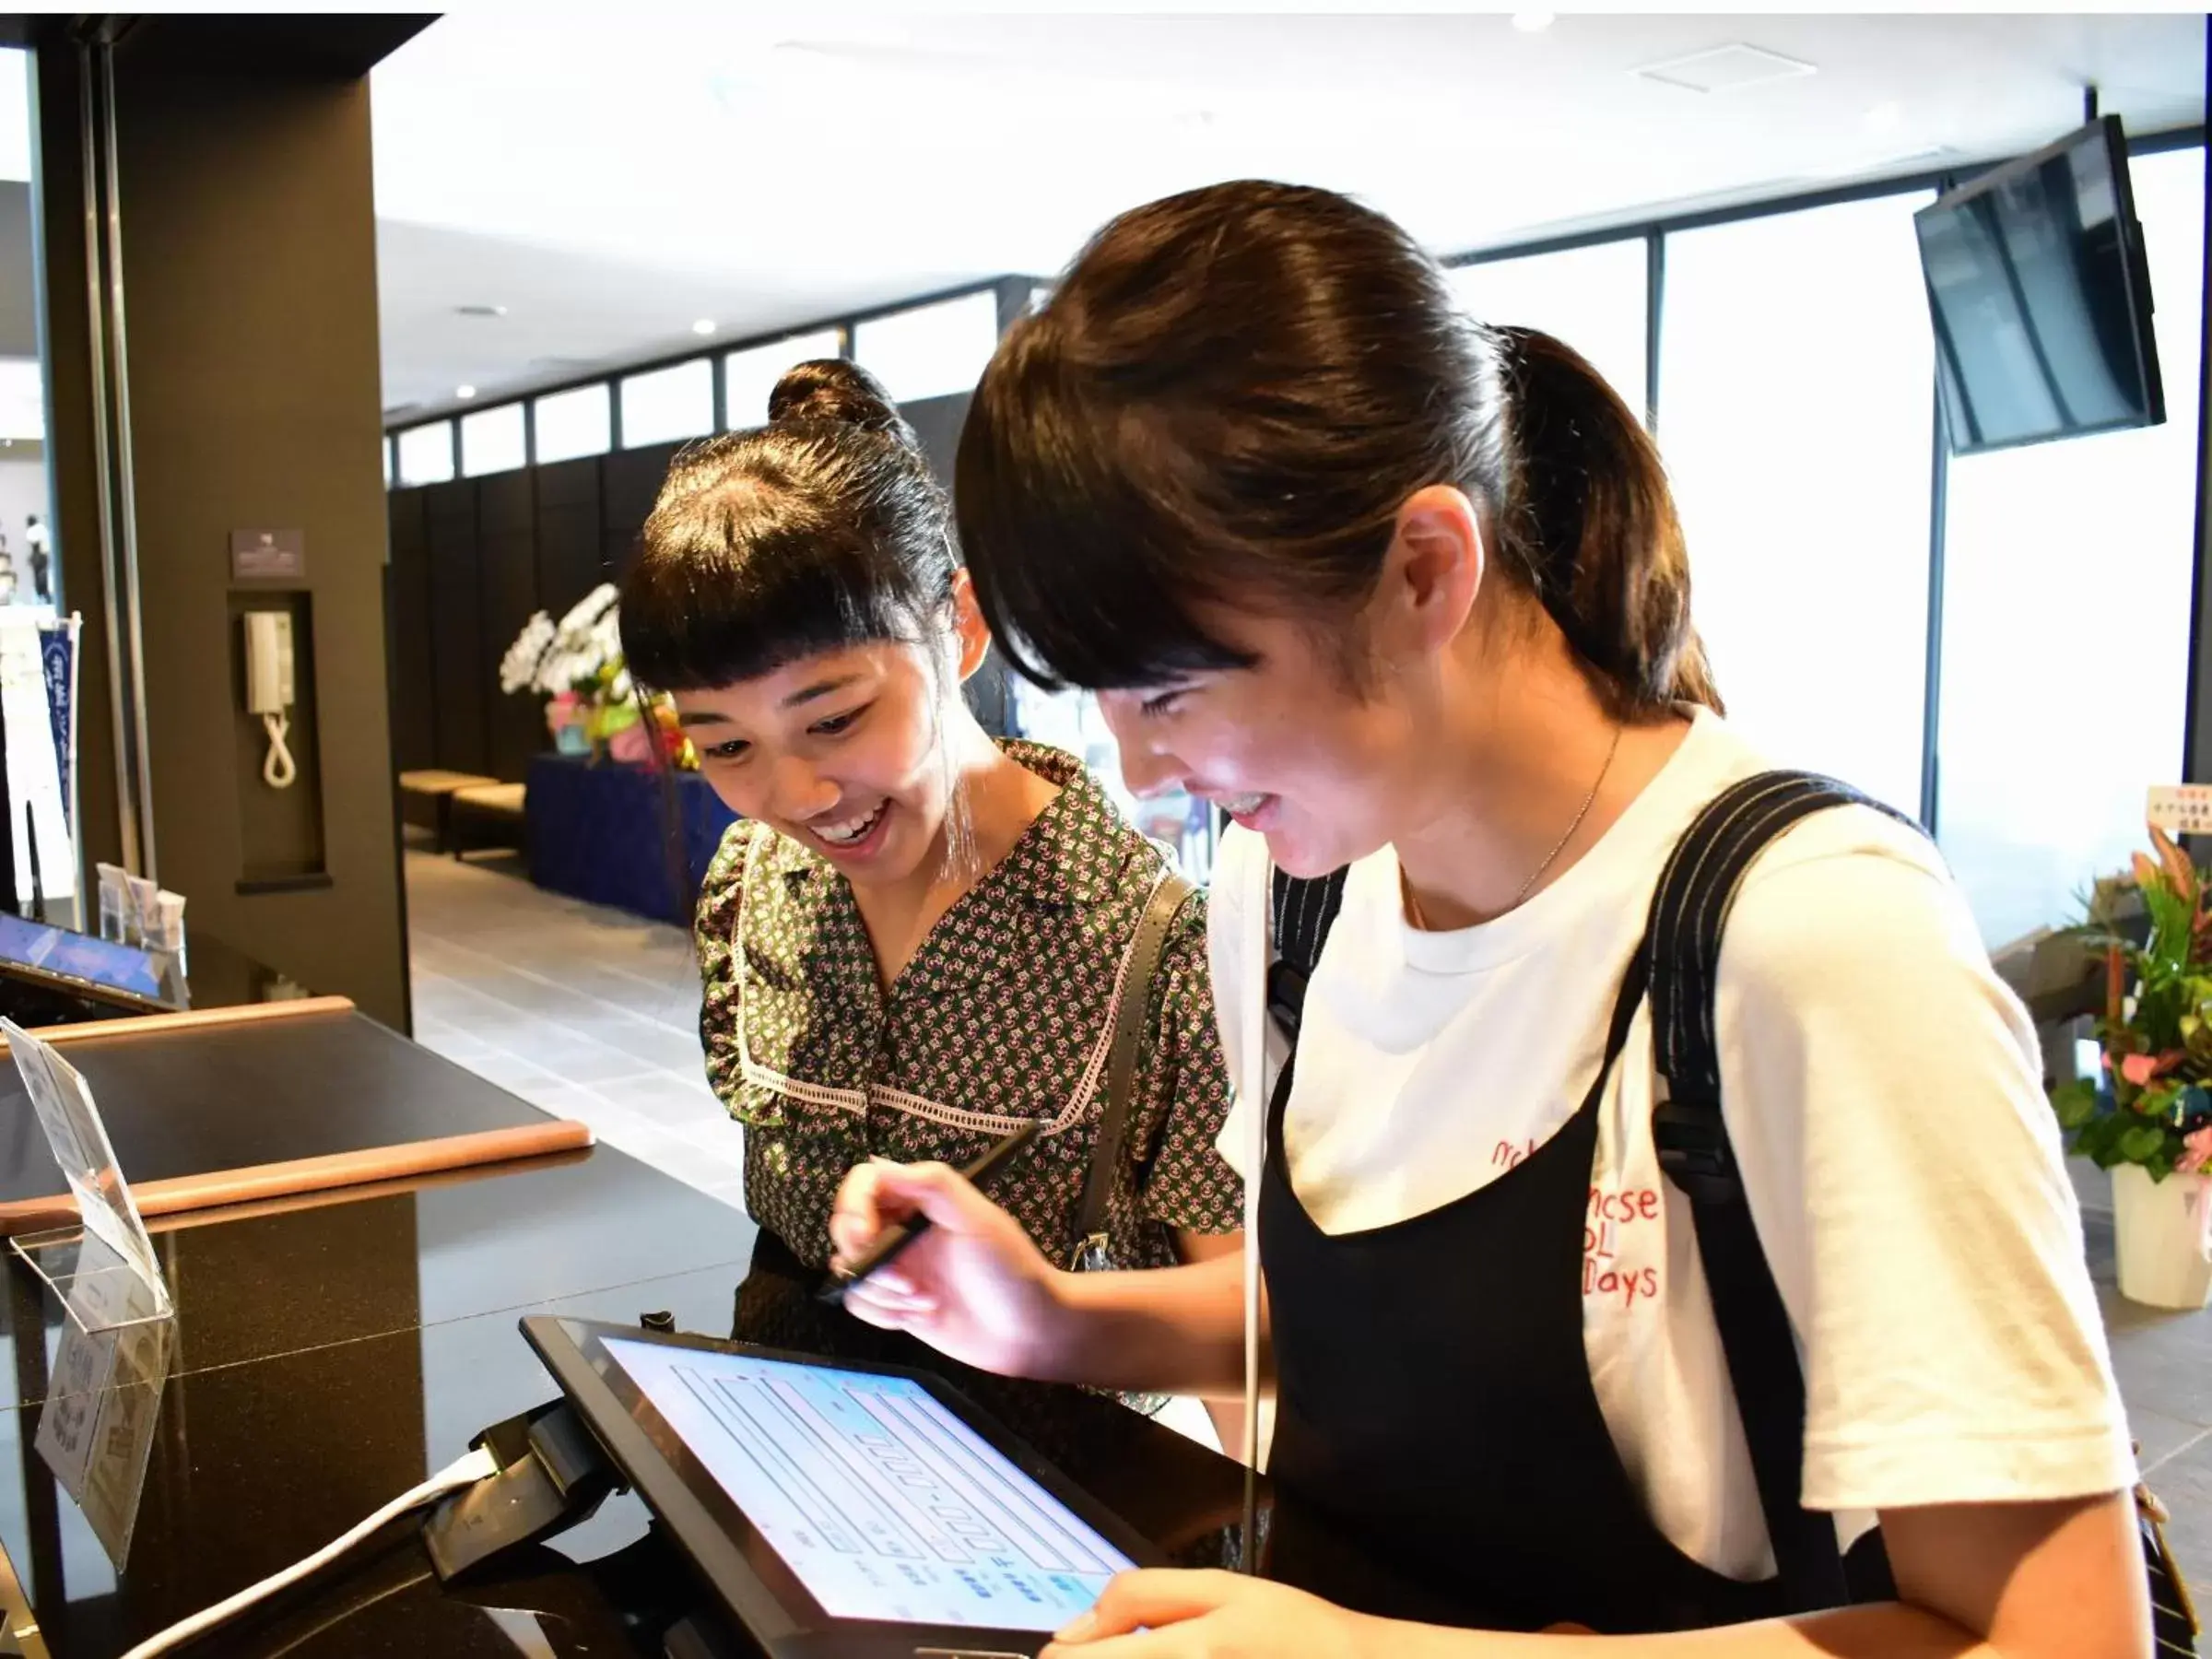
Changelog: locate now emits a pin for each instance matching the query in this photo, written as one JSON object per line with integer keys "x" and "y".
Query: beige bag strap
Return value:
{"x": 1169, "y": 896}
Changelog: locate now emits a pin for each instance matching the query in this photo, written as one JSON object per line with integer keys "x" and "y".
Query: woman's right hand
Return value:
{"x": 973, "y": 1285}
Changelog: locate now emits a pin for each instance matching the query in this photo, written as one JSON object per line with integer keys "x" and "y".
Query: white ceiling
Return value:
{"x": 609, "y": 178}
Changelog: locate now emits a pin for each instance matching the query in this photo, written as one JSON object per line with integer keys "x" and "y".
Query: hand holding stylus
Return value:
{"x": 850, "y": 1270}
{"x": 971, "y": 1284}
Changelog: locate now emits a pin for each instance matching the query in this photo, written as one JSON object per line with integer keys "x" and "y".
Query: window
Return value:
{"x": 14, "y": 114}
{"x": 668, "y": 404}
{"x": 1070, "y": 720}
{"x": 2065, "y": 619}
{"x": 932, "y": 349}
{"x": 1596, "y": 298}
{"x": 386, "y": 447}
{"x": 1797, "y": 405}
{"x": 750, "y": 374}
{"x": 570, "y": 424}
{"x": 426, "y": 454}
{"x": 492, "y": 441}
{"x": 22, "y": 401}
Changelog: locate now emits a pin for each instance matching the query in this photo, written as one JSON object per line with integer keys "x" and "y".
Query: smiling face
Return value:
{"x": 1286, "y": 747}
{"x": 841, "y": 751}
{"x": 1328, "y": 743}
{"x": 844, "y": 751}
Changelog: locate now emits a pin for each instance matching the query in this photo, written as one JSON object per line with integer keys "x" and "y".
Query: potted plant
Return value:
{"x": 2147, "y": 1118}
{"x": 576, "y": 664}
{"x": 591, "y": 707}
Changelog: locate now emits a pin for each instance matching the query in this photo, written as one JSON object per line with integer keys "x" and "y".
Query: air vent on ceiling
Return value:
{"x": 1726, "y": 68}
{"x": 479, "y": 311}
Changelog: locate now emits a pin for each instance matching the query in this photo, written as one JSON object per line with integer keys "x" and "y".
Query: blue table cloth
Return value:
{"x": 610, "y": 834}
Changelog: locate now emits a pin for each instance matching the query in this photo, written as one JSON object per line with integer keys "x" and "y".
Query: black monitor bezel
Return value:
{"x": 1957, "y": 422}
{"x": 743, "y": 1569}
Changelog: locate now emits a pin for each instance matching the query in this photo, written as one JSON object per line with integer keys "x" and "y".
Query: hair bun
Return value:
{"x": 837, "y": 388}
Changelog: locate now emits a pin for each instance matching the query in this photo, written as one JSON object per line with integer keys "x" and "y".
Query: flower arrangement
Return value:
{"x": 576, "y": 664}
{"x": 2154, "y": 1107}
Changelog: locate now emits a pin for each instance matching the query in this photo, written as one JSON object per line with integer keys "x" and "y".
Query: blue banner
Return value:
{"x": 57, "y": 651}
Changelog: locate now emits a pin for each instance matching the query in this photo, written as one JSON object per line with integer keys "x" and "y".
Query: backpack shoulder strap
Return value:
{"x": 1300, "y": 912}
{"x": 1681, "y": 958}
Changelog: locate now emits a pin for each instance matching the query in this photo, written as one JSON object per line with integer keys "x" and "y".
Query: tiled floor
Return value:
{"x": 593, "y": 1015}
{"x": 584, "y": 1012}
{"x": 2164, "y": 1364}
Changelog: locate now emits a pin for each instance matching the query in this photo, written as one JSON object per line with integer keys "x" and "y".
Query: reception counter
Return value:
{"x": 332, "y": 1349}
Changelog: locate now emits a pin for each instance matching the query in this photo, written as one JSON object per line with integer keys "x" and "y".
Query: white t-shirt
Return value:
{"x": 1883, "y": 1093}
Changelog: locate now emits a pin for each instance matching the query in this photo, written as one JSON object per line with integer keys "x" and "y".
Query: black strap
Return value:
{"x": 1302, "y": 910}
{"x": 1680, "y": 960}
{"x": 1145, "y": 949}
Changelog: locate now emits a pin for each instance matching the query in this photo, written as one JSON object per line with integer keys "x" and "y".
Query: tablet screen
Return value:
{"x": 881, "y": 1502}
{"x": 101, "y": 961}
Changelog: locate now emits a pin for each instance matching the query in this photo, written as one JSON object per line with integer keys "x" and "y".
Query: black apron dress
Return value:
{"x": 1440, "y": 1453}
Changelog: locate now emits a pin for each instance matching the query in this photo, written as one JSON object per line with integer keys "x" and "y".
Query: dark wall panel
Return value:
{"x": 630, "y": 480}
{"x": 936, "y": 422}
{"x": 568, "y": 532}
{"x": 507, "y": 543}
{"x": 460, "y": 696}
{"x": 472, "y": 559}
{"x": 414, "y": 715}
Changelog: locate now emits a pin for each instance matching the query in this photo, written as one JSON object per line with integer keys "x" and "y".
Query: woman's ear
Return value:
{"x": 971, "y": 633}
{"x": 1430, "y": 573}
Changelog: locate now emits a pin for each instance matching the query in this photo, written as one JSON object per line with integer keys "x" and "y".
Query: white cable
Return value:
{"x": 277, "y": 771}
{"x": 477, "y": 1466}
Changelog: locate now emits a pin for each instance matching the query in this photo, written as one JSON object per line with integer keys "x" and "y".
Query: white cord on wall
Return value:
{"x": 277, "y": 771}
{"x": 477, "y": 1466}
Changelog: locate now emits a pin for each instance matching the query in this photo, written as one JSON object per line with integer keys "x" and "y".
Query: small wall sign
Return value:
{"x": 2182, "y": 808}
{"x": 268, "y": 556}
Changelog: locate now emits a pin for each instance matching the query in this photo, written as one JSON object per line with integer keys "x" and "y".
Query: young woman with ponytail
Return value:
{"x": 1408, "y": 595}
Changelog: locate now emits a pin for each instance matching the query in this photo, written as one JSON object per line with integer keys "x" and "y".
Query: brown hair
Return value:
{"x": 822, "y": 529}
{"x": 1227, "y": 398}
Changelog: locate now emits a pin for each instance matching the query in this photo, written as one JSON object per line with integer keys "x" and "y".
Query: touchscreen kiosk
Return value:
{"x": 835, "y": 1508}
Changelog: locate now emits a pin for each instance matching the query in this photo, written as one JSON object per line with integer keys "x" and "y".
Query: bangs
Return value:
{"x": 736, "y": 580}
{"x": 1084, "y": 579}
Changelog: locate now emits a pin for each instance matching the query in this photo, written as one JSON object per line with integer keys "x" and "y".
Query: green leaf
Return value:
{"x": 2139, "y": 1143}
{"x": 2099, "y": 1139}
{"x": 2075, "y": 1102}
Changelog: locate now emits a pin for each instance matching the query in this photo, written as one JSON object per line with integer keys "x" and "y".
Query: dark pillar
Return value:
{"x": 248, "y": 247}
{"x": 2197, "y": 760}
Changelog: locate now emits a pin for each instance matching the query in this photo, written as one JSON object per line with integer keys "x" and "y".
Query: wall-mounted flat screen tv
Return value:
{"x": 2041, "y": 299}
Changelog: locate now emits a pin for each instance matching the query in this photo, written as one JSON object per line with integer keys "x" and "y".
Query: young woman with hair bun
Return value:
{"x": 916, "y": 939}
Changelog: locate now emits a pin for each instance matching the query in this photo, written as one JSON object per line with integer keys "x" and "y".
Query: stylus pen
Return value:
{"x": 887, "y": 1248}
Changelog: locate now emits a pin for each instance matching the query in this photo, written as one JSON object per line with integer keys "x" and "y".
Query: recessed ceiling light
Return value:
{"x": 705, "y": 325}
{"x": 479, "y": 311}
{"x": 464, "y": 392}
{"x": 1533, "y": 22}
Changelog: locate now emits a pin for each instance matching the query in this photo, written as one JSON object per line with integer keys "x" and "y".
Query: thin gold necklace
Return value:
{"x": 1550, "y": 858}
